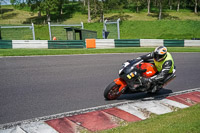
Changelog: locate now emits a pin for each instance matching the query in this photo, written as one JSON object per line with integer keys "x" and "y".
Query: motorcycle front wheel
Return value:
{"x": 112, "y": 91}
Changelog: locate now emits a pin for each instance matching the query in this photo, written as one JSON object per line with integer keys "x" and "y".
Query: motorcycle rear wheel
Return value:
{"x": 112, "y": 91}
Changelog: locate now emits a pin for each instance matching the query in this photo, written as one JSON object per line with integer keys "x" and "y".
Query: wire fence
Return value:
{"x": 113, "y": 28}
{"x": 58, "y": 31}
{"x": 22, "y": 32}
{"x": 27, "y": 32}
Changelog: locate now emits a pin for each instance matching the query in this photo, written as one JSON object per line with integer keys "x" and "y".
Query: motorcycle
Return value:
{"x": 130, "y": 76}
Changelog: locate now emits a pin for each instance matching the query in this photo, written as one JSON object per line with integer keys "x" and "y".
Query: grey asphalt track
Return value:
{"x": 33, "y": 87}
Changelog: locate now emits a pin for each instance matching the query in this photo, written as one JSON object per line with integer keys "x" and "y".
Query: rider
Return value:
{"x": 164, "y": 64}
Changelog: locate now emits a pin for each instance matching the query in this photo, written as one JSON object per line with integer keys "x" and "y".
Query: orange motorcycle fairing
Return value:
{"x": 120, "y": 82}
{"x": 150, "y": 69}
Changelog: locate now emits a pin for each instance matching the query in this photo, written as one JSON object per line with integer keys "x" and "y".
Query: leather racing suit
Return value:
{"x": 164, "y": 67}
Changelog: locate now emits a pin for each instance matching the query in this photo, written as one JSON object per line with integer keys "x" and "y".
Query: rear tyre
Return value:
{"x": 112, "y": 91}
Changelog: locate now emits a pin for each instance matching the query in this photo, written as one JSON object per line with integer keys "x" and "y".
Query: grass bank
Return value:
{"x": 166, "y": 29}
{"x": 182, "y": 121}
{"x": 35, "y": 52}
{"x": 175, "y": 25}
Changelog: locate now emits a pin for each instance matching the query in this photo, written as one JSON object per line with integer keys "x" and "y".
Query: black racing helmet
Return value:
{"x": 160, "y": 53}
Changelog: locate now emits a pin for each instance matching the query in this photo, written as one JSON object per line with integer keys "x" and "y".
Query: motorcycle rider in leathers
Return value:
{"x": 164, "y": 64}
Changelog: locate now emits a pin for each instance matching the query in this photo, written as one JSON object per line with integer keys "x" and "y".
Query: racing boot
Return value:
{"x": 146, "y": 82}
{"x": 154, "y": 89}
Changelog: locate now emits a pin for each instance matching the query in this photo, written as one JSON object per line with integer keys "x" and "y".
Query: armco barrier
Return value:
{"x": 192, "y": 43}
{"x": 174, "y": 43}
{"x": 66, "y": 44}
{"x": 96, "y": 43}
{"x": 127, "y": 42}
{"x": 90, "y": 43}
{"x": 105, "y": 43}
{"x": 29, "y": 44}
{"x": 151, "y": 42}
{"x": 5, "y": 44}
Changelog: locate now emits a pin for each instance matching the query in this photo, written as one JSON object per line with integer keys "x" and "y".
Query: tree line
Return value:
{"x": 97, "y": 8}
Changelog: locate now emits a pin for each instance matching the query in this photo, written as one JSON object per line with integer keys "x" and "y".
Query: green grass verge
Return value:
{"x": 29, "y": 52}
{"x": 183, "y": 121}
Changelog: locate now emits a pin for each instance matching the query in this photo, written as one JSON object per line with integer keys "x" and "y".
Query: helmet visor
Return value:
{"x": 158, "y": 57}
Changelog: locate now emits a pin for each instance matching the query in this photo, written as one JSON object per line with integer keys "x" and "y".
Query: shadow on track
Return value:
{"x": 142, "y": 95}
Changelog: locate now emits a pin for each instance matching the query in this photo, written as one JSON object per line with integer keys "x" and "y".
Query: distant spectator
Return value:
{"x": 54, "y": 38}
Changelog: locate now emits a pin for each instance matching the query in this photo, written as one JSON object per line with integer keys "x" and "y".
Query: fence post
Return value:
{"x": 33, "y": 30}
{"x": 118, "y": 30}
{"x": 82, "y": 27}
{"x": 49, "y": 25}
{"x": 105, "y": 25}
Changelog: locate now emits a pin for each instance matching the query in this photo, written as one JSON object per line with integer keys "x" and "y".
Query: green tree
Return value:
{"x": 196, "y": 4}
{"x": 50, "y": 6}
{"x": 178, "y": 5}
{"x": 60, "y": 6}
{"x": 97, "y": 9}
{"x": 14, "y": 2}
{"x": 1, "y": 2}
{"x": 47, "y": 6}
{"x": 170, "y": 4}
{"x": 89, "y": 13}
{"x": 113, "y": 5}
{"x": 36, "y": 5}
{"x": 138, "y": 4}
{"x": 148, "y": 7}
{"x": 100, "y": 9}
{"x": 161, "y": 4}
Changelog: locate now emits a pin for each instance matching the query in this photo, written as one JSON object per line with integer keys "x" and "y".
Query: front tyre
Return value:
{"x": 112, "y": 91}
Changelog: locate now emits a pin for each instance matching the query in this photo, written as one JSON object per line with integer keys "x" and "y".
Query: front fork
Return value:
{"x": 121, "y": 83}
